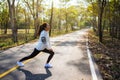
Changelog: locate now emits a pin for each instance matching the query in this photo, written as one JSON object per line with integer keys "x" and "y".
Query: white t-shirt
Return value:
{"x": 41, "y": 45}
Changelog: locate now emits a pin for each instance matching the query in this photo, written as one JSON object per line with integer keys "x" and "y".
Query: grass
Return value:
{"x": 6, "y": 41}
{"x": 19, "y": 31}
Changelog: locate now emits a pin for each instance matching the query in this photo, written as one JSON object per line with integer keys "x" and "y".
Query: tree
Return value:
{"x": 4, "y": 16}
{"x": 101, "y": 5}
{"x": 94, "y": 15}
{"x": 51, "y": 18}
{"x": 66, "y": 13}
{"x": 34, "y": 7}
{"x": 4, "y": 20}
{"x": 115, "y": 13}
{"x": 11, "y": 4}
{"x": 73, "y": 16}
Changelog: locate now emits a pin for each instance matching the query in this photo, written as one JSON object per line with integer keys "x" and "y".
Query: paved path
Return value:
{"x": 70, "y": 61}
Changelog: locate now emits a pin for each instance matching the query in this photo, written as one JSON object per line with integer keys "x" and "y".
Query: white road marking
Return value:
{"x": 92, "y": 68}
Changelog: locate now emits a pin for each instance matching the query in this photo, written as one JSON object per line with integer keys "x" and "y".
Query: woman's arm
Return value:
{"x": 45, "y": 39}
{"x": 48, "y": 42}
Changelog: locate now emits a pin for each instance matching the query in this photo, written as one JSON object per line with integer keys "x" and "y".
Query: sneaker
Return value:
{"x": 48, "y": 66}
{"x": 20, "y": 64}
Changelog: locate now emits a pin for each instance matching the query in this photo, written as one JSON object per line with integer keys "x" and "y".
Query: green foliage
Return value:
{"x": 4, "y": 17}
{"x": 73, "y": 14}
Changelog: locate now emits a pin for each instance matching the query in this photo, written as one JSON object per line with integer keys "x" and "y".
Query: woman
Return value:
{"x": 42, "y": 46}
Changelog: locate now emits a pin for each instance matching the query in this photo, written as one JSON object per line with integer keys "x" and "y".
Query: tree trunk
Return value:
{"x": 59, "y": 25}
{"x": 13, "y": 20}
{"x": 0, "y": 29}
{"x": 66, "y": 22}
{"x": 5, "y": 29}
{"x": 100, "y": 14}
{"x": 66, "y": 16}
{"x": 59, "y": 22}
{"x": 119, "y": 33}
{"x": 28, "y": 19}
{"x": 72, "y": 28}
{"x": 26, "y": 39}
{"x": 51, "y": 19}
{"x": 36, "y": 20}
{"x": 100, "y": 26}
{"x": 109, "y": 18}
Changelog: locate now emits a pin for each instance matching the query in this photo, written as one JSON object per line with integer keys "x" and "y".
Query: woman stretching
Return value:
{"x": 42, "y": 46}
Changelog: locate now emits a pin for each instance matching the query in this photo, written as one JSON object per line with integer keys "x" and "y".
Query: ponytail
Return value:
{"x": 41, "y": 28}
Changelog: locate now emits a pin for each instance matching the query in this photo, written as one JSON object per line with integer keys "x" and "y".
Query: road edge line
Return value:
{"x": 92, "y": 68}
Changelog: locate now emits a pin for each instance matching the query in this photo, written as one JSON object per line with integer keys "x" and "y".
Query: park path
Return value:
{"x": 70, "y": 62}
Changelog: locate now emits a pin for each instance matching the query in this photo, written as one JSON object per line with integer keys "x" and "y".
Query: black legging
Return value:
{"x": 36, "y": 52}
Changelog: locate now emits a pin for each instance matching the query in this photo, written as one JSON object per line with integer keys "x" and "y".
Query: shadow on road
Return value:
{"x": 68, "y": 43}
{"x": 31, "y": 76}
{"x": 81, "y": 65}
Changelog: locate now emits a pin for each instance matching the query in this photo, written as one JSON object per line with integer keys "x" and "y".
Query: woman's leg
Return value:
{"x": 34, "y": 53}
{"x": 50, "y": 56}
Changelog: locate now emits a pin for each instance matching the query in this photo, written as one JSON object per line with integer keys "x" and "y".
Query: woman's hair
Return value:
{"x": 41, "y": 28}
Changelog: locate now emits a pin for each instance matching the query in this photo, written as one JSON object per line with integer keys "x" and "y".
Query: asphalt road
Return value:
{"x": 70, "y": 61}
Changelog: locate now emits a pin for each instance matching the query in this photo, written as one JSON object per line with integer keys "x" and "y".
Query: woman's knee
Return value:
{"x": 52, "y": 53}
{"x": 31, "y": 56}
